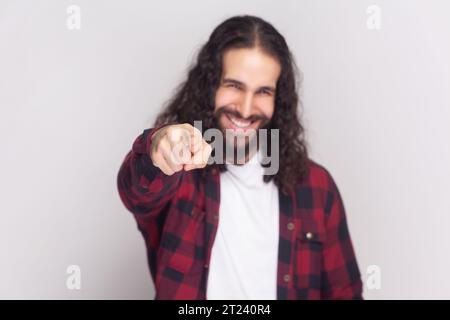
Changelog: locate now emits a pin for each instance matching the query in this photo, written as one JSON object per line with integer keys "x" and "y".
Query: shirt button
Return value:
{"x": 216, "y": 216}
{"x": 290, "y": 226}
{"x": 309, "y": 235}
{"x": 206, "y": 266}
{"x": 287, "y": 278}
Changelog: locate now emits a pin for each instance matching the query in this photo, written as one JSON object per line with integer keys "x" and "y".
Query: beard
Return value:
{"x": 240, "y": 145}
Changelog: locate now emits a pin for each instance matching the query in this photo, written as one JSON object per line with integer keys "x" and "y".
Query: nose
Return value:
{"x": 246, "y": 106}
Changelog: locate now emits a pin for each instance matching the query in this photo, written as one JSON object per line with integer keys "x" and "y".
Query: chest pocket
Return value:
{"x": 308, "y": 255}
{"x": 183, "y": 245}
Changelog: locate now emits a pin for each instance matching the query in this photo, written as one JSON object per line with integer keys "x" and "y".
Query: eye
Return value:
{"x": 266, "y": 92}
{"x": 233, "y": 85}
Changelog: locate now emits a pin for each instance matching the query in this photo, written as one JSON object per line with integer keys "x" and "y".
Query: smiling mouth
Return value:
{"x": 239, "y": 124}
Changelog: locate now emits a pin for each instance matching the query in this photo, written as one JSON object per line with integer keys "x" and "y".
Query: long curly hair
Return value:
{"x": 195, "y": 97}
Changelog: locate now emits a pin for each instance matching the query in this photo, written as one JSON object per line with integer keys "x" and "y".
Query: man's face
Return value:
{"x": 245, "y": 98}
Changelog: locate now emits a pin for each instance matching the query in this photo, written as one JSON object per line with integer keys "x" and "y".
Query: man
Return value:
{"x": 227, "y": 229}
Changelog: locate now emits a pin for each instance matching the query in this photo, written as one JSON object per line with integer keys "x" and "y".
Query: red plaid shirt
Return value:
{"x": 178, "y": 216}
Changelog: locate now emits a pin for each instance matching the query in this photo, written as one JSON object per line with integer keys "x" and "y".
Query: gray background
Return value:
{"x": 72, "y": 102}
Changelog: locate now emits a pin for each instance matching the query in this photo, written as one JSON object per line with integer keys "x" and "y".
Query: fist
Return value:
{"x": 179, "y": 147}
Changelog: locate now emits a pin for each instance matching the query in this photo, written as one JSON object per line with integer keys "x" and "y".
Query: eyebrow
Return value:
{"x": 241, "y": 84}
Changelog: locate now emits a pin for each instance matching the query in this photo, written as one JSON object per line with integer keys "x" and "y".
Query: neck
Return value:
{"x": 233, "y": 158}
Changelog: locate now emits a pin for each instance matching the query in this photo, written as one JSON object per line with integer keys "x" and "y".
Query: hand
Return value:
{"x": 179, "y": 147}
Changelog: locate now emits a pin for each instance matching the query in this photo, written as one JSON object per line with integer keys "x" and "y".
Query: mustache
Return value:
{"x": 254, "y": 117}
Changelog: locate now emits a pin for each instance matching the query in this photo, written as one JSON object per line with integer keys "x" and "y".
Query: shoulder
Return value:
{"x": 318, "y": 191}
{"x": 317, "y": 177}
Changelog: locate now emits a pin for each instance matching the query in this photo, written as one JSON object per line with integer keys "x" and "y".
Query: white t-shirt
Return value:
{"x": 244, "y": 255}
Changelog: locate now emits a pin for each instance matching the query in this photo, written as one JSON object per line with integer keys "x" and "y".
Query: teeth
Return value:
{"x": 240, "y": 123}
